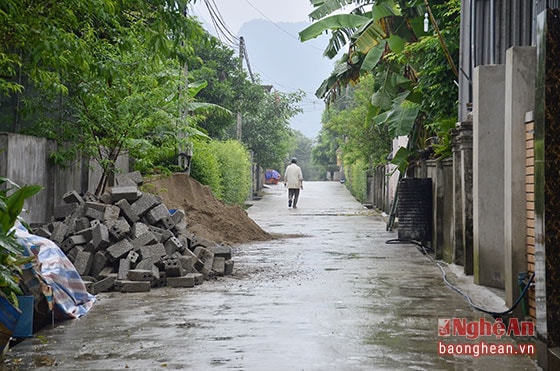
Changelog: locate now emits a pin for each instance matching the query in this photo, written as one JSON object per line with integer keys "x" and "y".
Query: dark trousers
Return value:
{"x": 293, "y": 194}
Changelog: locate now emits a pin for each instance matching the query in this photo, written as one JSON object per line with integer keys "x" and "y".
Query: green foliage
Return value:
{"x": 12, "y": 199}
{"x": 413, "y": 91}
{"x": 235, "y": 165}
{"x": 205, "y": 167}
{"x": 266, "y": 130}
{"x": 356, "y": 178}
{"x": 100, "y": 74}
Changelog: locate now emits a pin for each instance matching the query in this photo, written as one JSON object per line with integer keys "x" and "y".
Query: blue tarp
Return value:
{"x": 70, "y": 296}
{"x": 272, "y": 174}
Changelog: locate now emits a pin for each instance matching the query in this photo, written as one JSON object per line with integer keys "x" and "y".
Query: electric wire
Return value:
{"x": 279, "y": 27}
{"x": 424, "y": 250}
{"x": 219, "y": 24}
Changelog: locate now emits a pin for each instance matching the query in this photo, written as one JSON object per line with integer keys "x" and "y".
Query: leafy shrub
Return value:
{"x": 356, "y": 178}
{"x": 235, "y": 166}
{"x": 205, "y": 166}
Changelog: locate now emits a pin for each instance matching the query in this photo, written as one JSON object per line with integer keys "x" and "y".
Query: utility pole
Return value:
{"x": 184, "y": 154}
{"x": 239, "y": 118}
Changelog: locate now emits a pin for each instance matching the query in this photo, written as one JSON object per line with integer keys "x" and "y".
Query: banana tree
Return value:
{"x": 377, "y": 35}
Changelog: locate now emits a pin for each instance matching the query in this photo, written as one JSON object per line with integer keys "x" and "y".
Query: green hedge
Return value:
{"x": 235, "y": 166}
{"x": 205, "y": 166}
{"x": 356, "y": 179}
{"x": 225, "y": 167}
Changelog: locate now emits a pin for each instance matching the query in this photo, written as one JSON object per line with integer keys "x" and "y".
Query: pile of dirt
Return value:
{"x": 206, "y": 216}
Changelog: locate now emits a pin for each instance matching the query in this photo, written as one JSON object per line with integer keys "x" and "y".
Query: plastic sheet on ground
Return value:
{"x": 272, "y": 176}
{"x": 70, "y": 296}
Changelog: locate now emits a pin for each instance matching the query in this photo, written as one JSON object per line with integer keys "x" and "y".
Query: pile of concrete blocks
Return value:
{"x": 129, "y": 241}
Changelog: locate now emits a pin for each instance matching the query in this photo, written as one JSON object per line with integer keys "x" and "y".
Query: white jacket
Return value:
{"x": 293, "y": 176}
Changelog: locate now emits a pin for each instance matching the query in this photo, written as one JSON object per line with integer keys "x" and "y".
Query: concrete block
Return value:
{"x": 99, "y": 263}
{"x": 166, "y": 223}
{"x": 191, "y": 254}
{"x": 72, "y": 241}
{"x": 89, "y": 197}
{"x": 86, "y": 233}
{"x": 60, "y": 212}
{"x": 198, "y": 277}
{"x": 184, "y": 281}
{"x": 135, "y": 176}
{"x": 200, "y": 241}
{"x": 222, "y": 251}
{"x": 144, "y": 204}
{"x": 94, "y": 210}
{"x": 118, "y": 229}
{"x": 81, "y": 224}
{"x": 124, "y": 267}
{"x": 172, "y": 245}
{"x": 82, "y": 262}
{"x": 123, "y": 180}
{"x": 205, "y": 259}
{"x": 173, "y": 268}
{"x": 133, "y": 286}
{"x": 157, "y": 213}
{"x": 133, "y": 256}
{"x": 119, "y": 249}
{"x": 72, "y": 197}
{"x": 228, "y": 267}
{"x": 106, "y": 198}
{"x": 140, "y": 275}
{"x": 71, "y": 255}
{"x": 139, "y": 229}
{"x": 162, "y": 280}
{"x": 107, "y": 272}
{"x": 129, "y": 193}
{"x": 100, "y": 236}
{"x": 152, "y": 251}
{"x": 112, "y": 212}
{"x": 104, "y": 285}
{"x": 185, "y": 242}
{"x": 160, "y": 233}
{"x": 187, "y": 262}
{"x": 127, "y": 212}
{"x": 144, "y": 239}
{"x": 148, "y": 263}
{"x": 219, "y": 266}
{"x": 156, "y": 275}
{"x": 178, "y": 216}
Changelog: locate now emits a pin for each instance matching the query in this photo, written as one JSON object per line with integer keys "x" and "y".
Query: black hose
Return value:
{"x": 423, "y": 249}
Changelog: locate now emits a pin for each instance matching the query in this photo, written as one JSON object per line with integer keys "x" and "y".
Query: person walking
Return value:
{"x": 293, "y": 179}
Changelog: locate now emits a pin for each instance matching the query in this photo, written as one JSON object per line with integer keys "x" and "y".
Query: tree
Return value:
{"x": 100, "y": 74}
{"x": 382, "y": 37}
{"x": 266, "y": 130}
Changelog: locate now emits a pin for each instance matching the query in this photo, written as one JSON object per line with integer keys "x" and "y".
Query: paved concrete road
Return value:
{"x": 337, "y": 297}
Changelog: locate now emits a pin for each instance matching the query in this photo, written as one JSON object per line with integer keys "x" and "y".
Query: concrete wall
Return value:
{"x": 519, "y": 99}
{"x": 488, "y": 175}
{"x": 25, "y": 161}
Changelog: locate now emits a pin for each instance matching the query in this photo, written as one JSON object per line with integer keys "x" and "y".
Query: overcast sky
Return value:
{"x": 237, "y": 12}
{"x": 273, "y": 55}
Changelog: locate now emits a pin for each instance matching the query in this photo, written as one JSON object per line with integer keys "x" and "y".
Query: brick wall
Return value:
{"x": 530, "y": 193}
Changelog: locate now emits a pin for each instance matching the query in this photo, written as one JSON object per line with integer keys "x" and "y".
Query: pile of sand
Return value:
{"x": 206, "y": 216}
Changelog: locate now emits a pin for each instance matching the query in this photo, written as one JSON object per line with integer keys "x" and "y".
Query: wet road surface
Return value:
{"x": 334, "y": 297}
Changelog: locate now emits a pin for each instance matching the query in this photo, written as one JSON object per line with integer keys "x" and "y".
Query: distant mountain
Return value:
{"x": 280, "y": 59}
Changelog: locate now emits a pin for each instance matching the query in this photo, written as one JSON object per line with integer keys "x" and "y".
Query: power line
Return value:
{"x": 282, "y": 29}
{"x": 219, "y": 24}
